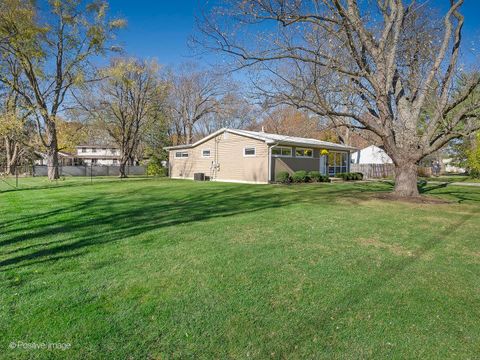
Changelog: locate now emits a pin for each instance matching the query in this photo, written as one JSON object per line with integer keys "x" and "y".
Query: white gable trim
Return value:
{"x": 212, "y": 135}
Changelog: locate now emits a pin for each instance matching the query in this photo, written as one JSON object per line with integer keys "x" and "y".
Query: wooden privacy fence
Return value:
{"x": 373, "y": 171}
{"x": 380, "y": 171}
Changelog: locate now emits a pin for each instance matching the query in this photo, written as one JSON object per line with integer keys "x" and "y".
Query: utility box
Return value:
{"x": 199, "y": 177}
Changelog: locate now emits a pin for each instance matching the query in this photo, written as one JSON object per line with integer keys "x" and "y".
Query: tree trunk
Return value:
{"x": 11, "y": 152}
{"x": 406, "y": 180}
{"x": 52, "y": 164}
{"x": 188, "y": 134}
{"x": 122, "y": 169}
{"x": 52, "y": 151}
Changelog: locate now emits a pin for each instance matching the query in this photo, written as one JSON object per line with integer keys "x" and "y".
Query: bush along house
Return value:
{"x": 255, "y": 157}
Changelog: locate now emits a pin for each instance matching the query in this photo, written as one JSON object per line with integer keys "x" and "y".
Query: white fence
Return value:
{"x": 87, "y": 170}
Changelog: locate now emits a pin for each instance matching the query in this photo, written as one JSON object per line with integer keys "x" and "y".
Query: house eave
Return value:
{"x": 315, "y": 146}
{"x": 270, "y": 142}
{"x": 178, "y": 147}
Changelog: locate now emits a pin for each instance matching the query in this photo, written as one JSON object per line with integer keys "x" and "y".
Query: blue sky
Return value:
{"x": 157, "y": 28}
{"x": 161, "y": 28}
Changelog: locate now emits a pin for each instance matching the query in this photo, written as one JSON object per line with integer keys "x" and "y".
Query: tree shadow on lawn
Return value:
{"x": 116, "y": 219}
{"x": 45, "y": 184}
{"x": 459, "y": 195}
{"x": 109, "y": 219}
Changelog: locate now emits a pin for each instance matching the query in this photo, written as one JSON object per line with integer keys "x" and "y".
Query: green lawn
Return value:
{"x": 453, "y": 178}
{"x": 148, "y": 268}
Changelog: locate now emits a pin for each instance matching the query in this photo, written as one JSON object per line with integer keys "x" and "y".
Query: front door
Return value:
{"x": 323, "y": 164}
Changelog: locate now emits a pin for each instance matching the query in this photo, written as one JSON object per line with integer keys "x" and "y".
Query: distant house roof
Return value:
{"x": 60, "y": 154}
{"x": 94, "y": 156}
{"x": 97, "y": 146}
{"x": 371, "y": 155}
{"x": 271, "y": 139}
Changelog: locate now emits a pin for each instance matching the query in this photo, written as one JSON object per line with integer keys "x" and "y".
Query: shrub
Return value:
{"x": 473, "y": 159}
{"x": 154, "y": 167}
{"x": 300, "y": 176}
{"x": 283, "y": 177}
{"x": 350, "y": 176}
{"x": 325, "y": 178}
{"x": 315, "y": 176}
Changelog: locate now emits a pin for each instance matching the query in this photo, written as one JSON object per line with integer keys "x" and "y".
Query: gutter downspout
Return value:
{"x": 269, "y": 163}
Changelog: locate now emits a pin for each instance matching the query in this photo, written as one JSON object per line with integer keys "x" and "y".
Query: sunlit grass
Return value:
{"x": 148, "y": 268}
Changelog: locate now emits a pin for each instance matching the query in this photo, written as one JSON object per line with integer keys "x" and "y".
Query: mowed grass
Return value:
{"x": 148, "y": 268}
{"x": 452, "y": 178}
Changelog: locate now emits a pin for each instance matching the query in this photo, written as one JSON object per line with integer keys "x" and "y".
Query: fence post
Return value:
{"x": 16, "y": 176}
{"x": 91, "y": 173}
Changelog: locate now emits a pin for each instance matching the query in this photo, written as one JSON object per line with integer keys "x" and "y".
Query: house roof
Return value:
{"x": 97, "y": 146}
{"x": 92, "y": 156}
{"x": 60, "y": 154}
{"x": 271, "y": 139}
{"x": 372, "y": 147}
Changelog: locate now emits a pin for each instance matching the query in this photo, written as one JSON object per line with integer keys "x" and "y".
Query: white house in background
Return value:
{"x": 97, "y": 155}
{"x": 371, "y": 155}
{"x": 64, "y": 158}
{"x": 450, "y": 168}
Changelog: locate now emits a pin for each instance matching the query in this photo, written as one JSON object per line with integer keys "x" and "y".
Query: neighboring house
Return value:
{"x": 371, "y": 155}
{"x": 255, "y": 157}
{"x": 64, "y": 159}
{"x": 450, "y": 168}
{"x": 97, "y": 155}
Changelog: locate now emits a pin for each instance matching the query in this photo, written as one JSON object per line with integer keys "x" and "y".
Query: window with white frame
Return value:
{"x": 282, "y": 151}
{"x": 302, "y": 152}
{"x": 181, "y": 154}
{"x": 206, "y": 153}
{"x": 249, "y": 151}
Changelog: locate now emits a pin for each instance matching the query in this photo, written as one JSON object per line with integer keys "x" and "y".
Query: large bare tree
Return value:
{"x": 53, "y": 43}
{"x": 195, "y": 95}
{"x": 234, "y": 111}
{"x": 390, "y": 67}
{"x": 127, "y": 103}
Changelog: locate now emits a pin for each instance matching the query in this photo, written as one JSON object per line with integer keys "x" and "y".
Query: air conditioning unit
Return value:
{"x": 199, "y": 177}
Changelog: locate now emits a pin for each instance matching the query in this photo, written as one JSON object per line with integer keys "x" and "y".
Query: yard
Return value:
{"x": 148, "y": 268}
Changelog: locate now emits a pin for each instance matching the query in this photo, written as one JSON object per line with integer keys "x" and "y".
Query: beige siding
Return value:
{"x": 228, "y": 153}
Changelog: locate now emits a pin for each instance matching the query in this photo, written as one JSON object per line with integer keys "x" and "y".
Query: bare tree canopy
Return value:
{"x": 196, "y": 94}
{"x": 390, "y": 67}
{"x": 52, "y": 43}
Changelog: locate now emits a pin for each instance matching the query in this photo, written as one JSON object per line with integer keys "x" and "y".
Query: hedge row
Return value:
{"x": 301, "y": 177}
{"x": 350, "y": 176}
